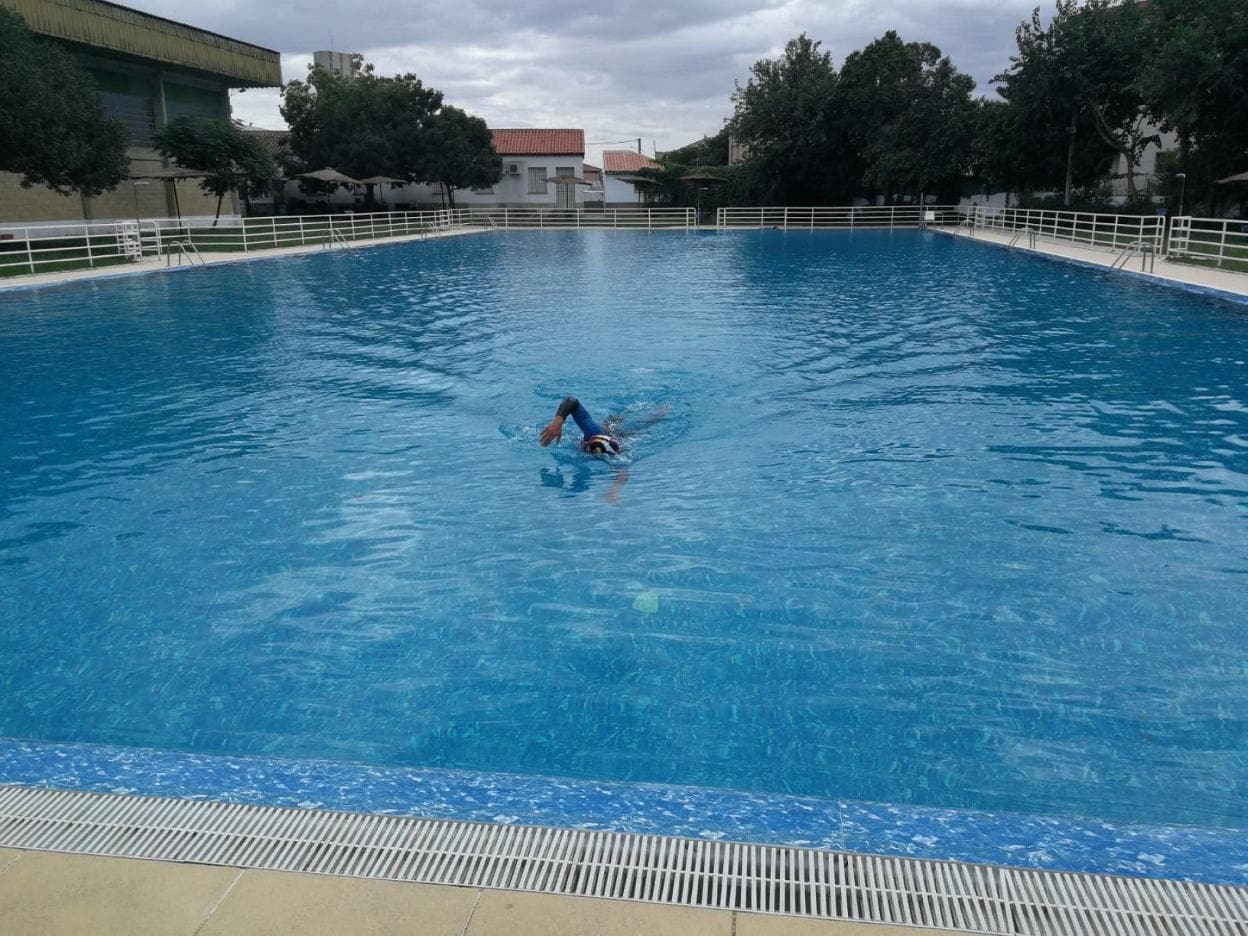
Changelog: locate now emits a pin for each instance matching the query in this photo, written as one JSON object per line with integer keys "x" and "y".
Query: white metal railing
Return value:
{"x": 645, "y": 219}
{"x": 68, "y": 246}
{"x": 848, "y": 217}
{"x": 1112, "y": 232}
{"x": 50, "y": 248}
{"x": 1217, "y": 241}
{"x": 253, "y": 234}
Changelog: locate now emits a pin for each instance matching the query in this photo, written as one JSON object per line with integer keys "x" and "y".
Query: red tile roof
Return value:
{"x": 626, "y": 161}
{"x": 539, "y": 142}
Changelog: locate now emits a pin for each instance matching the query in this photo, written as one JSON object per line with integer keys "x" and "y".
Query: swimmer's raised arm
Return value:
{"x": 554, "y": 429}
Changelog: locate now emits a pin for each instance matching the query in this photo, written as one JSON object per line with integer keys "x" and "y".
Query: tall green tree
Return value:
{"x": 786, "y": 115}
{"x": 910, "y": 116}
{"x": 1106, "y": 43}
{"x": 232, "y": 160}
{"x": 53, "y": 129}
{"x": 1196, "y": 84}
{"x": 364, "y": 125}
{"x": 461, "y": 153}
{"x": 1071, "y": 93}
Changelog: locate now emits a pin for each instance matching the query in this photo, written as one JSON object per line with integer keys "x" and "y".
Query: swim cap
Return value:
{"x": 601, "y": 445}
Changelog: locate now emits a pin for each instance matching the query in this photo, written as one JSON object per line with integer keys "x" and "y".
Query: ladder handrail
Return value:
{"x": 1145, "y": 250}
{"x": 1029, "y": 232}
{"x": 186, "y": 249}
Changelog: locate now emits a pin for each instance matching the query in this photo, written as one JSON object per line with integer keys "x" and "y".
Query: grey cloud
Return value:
{"x": 664, "y": 72}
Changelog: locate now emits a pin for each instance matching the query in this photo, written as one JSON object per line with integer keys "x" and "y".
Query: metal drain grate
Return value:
{"x": 684, "y": 872}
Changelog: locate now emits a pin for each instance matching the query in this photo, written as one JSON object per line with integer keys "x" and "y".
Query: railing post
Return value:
{"x": 30, "y": 254}
{"x": 1222, "y": 244}
{"x": 244, "y": 235}
{"x": 303, "y": 237}
{"x": 273, "y": 229}
{"x": 86, "y": 230}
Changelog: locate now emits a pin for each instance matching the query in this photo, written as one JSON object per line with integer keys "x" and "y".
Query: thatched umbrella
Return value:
{"x": 379, "y": 181}
{"x": 332, "y": 176}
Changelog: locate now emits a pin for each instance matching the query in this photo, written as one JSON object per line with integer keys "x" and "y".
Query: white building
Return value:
{"x": 532, "y": 160}
{"x": 623, "y": 187}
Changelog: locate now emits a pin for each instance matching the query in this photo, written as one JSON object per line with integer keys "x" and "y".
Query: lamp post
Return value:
{"x": 1182, "y": 177}
{"x": 136, "y": 183}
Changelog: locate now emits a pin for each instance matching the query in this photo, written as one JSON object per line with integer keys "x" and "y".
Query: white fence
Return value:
{"x": 846, "y": 217}
{"x": 1210, "y": 241}
{"x": 1099, "y": 231}
{"x": 643, "y": 219}
{"x": 92, "y": 244}
{"x": 39, "y": 249}
{"x": 1215, "y": 241}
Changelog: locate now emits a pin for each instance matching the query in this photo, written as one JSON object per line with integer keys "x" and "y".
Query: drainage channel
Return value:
{"x": 681, "y": 872}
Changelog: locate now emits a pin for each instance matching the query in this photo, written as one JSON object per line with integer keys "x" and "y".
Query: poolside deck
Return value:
{"x": 44, "y": 893}
{"x": 1165, "y": 272}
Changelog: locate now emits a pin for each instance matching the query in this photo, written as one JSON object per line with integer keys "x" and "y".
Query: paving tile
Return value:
{"x": 757, "y": 924}
{"x": 504, "y": 913}
{"x": 282, "y": 903}
{"x": 44, "y": 893}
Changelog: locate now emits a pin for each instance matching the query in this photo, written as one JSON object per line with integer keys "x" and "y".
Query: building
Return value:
{"x": 532, "y": 159}
{"x": 343, "y": 64}
{"x": 149, "y": 70}
{"x": 623, "y": 188}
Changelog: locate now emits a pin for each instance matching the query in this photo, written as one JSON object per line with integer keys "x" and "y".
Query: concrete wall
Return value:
{"x": 154, "y": 199}
{"x": 619, "y": 194}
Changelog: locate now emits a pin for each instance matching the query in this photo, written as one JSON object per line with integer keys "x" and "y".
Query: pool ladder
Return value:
{"x": 185, "y": 249}
{"x": 337, "y": 237}
{"x": 966, "y": 223}
{"x": 1143, "y": 249}
{"x": 1027, "y": 232}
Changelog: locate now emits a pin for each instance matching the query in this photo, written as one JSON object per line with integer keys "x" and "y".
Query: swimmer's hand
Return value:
{"x": 552, "y": 433}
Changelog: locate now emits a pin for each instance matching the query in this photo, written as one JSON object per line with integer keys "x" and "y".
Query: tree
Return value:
{"x": 53, "y": 129}
{"x": 362, "y": 125}
{"x": 786, "y": 114}
{"x": 909, "y": 116}
{"x": 231, "y": 159}
{"x": 1056, "y": 86}
{"x": 461, "y": 153}
{"x": 1196, "y": 83}
{"x": 1106, "y": 44}
{"x": 708, "y": 151}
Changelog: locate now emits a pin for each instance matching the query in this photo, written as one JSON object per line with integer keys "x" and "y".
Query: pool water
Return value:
{"x": 929, "y": 522}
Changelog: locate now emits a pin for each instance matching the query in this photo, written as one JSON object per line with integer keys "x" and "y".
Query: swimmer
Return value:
{"x": 596, "y": 441}
{"x": 599, "y": 441}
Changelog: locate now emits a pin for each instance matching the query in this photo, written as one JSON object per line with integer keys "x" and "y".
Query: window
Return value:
{"x": 537, "y": 180}
{"x": 566, "y": 171}
{"x": 483, "y": 190}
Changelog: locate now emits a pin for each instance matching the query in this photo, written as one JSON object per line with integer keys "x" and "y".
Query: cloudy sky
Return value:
{"x": 661, "y": 71}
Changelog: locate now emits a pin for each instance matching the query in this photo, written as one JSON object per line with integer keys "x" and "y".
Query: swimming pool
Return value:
{"x": 929, "y": 523}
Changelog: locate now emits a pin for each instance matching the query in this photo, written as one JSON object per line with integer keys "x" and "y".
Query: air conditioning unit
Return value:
{"x": 513, "y": 168}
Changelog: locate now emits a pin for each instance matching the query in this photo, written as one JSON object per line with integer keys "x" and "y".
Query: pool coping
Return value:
{"x": 806, "y": 883}
{"x": 1214, "y": 856}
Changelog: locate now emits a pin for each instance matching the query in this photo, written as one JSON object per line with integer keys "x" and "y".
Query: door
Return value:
{"x": 565, "y": 193}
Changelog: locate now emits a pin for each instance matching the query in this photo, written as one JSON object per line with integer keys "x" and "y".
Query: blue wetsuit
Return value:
{"x": 597, "y": 440}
